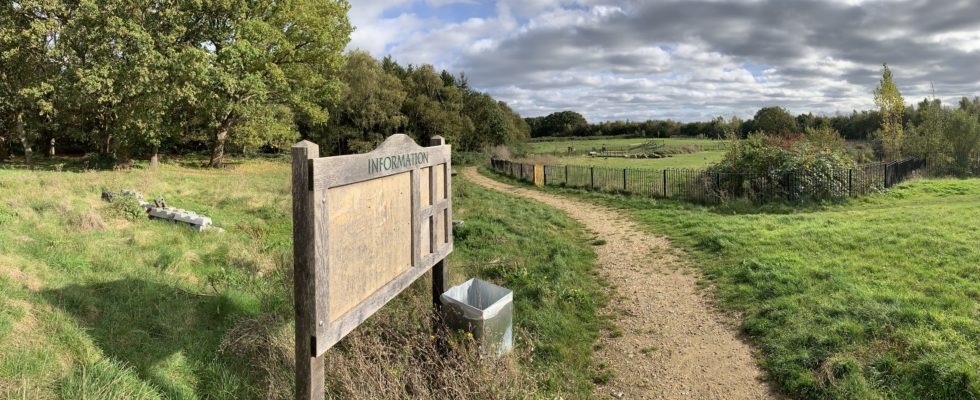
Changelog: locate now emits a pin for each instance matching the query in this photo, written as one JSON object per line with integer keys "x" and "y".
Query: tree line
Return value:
{"x": 380, "y": 98}
{"x": 858, "y": 125}
{"x": 128, "y": 79}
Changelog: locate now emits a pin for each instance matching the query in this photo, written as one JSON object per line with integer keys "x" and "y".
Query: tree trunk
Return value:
{"x": 218, "y": 148}
{"x": 4, "y": 148}
{"x": 22, "y": 134}
{"x": 51, "y": 148}
{"x": 155, "y": 158}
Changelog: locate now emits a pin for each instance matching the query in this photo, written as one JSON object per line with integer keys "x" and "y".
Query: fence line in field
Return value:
{"x": 705, "y": 186}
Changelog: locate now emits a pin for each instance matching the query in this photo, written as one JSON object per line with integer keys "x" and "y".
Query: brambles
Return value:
{"x": 127, "y": 207}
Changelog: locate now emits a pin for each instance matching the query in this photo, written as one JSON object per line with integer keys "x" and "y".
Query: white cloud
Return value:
{"x": 690, "y": 59}
{"x": 440, "y": 3}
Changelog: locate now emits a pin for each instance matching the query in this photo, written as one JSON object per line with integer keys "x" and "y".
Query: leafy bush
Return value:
{"x": 949, "y": 140}
{"x": 791, "y": 167}
{"x": 127, "y": 207}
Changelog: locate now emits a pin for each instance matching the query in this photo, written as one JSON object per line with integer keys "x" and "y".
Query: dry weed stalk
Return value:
{"x": 392, "y": 356}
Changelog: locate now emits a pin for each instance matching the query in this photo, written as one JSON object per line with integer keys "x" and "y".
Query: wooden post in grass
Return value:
{"x": 440, "y": 274}
{"x": 365, "y": 227}
{"x": 538, "y": 176}
{"x": 309, "y": 365}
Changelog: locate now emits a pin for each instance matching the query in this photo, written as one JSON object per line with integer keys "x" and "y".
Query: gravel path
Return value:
{"x": 673, "y": 344}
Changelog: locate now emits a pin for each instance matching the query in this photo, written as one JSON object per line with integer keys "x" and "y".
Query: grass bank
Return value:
{"x": 875, "y": 298}
{"x": 96, "y": 305}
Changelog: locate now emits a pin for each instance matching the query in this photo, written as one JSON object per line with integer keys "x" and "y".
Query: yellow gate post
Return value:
{"x": 538, "y": 175}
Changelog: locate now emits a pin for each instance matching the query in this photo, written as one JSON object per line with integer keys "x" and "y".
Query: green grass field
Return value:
{"x": 878, "y": 298}
{"x": 560, "y": 146}
{"x": 697, "y": 160}
{"x": 98, "y": 306}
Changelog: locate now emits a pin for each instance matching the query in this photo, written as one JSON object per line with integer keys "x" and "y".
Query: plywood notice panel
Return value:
{"x": 376, "y": 219}
{"x": 365, "y": 227}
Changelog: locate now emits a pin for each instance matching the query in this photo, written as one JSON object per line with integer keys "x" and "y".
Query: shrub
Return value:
{"x": 948, "y": 140}
{"x": 127, "y": 207}
{"x": 791, "y": 167}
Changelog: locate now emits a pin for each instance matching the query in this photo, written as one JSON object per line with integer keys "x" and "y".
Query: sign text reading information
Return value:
{"x": 397, "y": 162}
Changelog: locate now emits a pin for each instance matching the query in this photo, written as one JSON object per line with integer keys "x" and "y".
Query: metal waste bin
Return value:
{"x": 485, "y": 310}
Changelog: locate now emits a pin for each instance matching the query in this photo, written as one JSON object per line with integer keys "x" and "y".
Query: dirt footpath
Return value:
{"x": 673, "y": 344}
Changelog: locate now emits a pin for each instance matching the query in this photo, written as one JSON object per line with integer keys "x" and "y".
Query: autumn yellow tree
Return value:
{"x": 892, "y": 106}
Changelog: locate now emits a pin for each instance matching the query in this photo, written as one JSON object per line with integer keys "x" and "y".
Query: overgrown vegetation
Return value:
{"x": 948, "y": 139}
{"x": 876, "y": 298}
{"x": 95, "y": 305}
{"x": 815, "y": 161}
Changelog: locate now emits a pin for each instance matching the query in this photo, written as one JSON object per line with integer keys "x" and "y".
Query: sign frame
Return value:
{"x": 318, "y": 327}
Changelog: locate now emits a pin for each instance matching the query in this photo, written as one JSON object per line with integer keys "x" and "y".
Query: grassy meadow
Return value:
{"x": 685, "y": 153}
{"x": 98, "y": 303}
{"x": 701, "y": 159}
{"x": 561, "y": 146}
{"x": 877, "y": 298}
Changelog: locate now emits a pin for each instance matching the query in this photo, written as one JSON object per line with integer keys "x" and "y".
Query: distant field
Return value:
{"x": 878, "y": 298}
{"x": 562, "y": 145}
{"x": 700, "y": 159}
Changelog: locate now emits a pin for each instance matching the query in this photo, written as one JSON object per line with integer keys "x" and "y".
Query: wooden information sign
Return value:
{"x": 365, "y": 227}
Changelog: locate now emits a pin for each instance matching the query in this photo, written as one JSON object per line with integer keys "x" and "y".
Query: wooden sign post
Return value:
{"x": 365, "y": 227}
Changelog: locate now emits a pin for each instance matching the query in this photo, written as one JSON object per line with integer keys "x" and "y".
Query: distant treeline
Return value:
{"x": 127, "y": 80}
{"x": 859, "y": 125}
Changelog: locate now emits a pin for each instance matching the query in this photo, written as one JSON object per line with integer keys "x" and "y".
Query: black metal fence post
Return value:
{"x": 624, "y": 179}
{"x": 850, "y": 182}
{"x": 592, "y": 178}
{"x": 886, "y": 176}
{"x": 665, "y": 183}
{"x": 566, "y": 175}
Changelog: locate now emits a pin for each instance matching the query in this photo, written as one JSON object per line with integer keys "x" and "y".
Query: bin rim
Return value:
{"x": 468, "y": 309}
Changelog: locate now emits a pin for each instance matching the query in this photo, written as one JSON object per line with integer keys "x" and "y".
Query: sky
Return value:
{"x": 685, "y": 60}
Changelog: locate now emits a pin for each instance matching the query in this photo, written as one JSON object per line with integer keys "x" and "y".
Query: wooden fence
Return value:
{"x": 705, "y": 186}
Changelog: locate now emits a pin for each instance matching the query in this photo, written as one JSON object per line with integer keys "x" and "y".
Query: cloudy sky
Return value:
{"x": 684, "y": 59}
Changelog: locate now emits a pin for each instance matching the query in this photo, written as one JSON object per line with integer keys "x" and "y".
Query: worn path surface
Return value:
{"x": 673, "y": 344}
